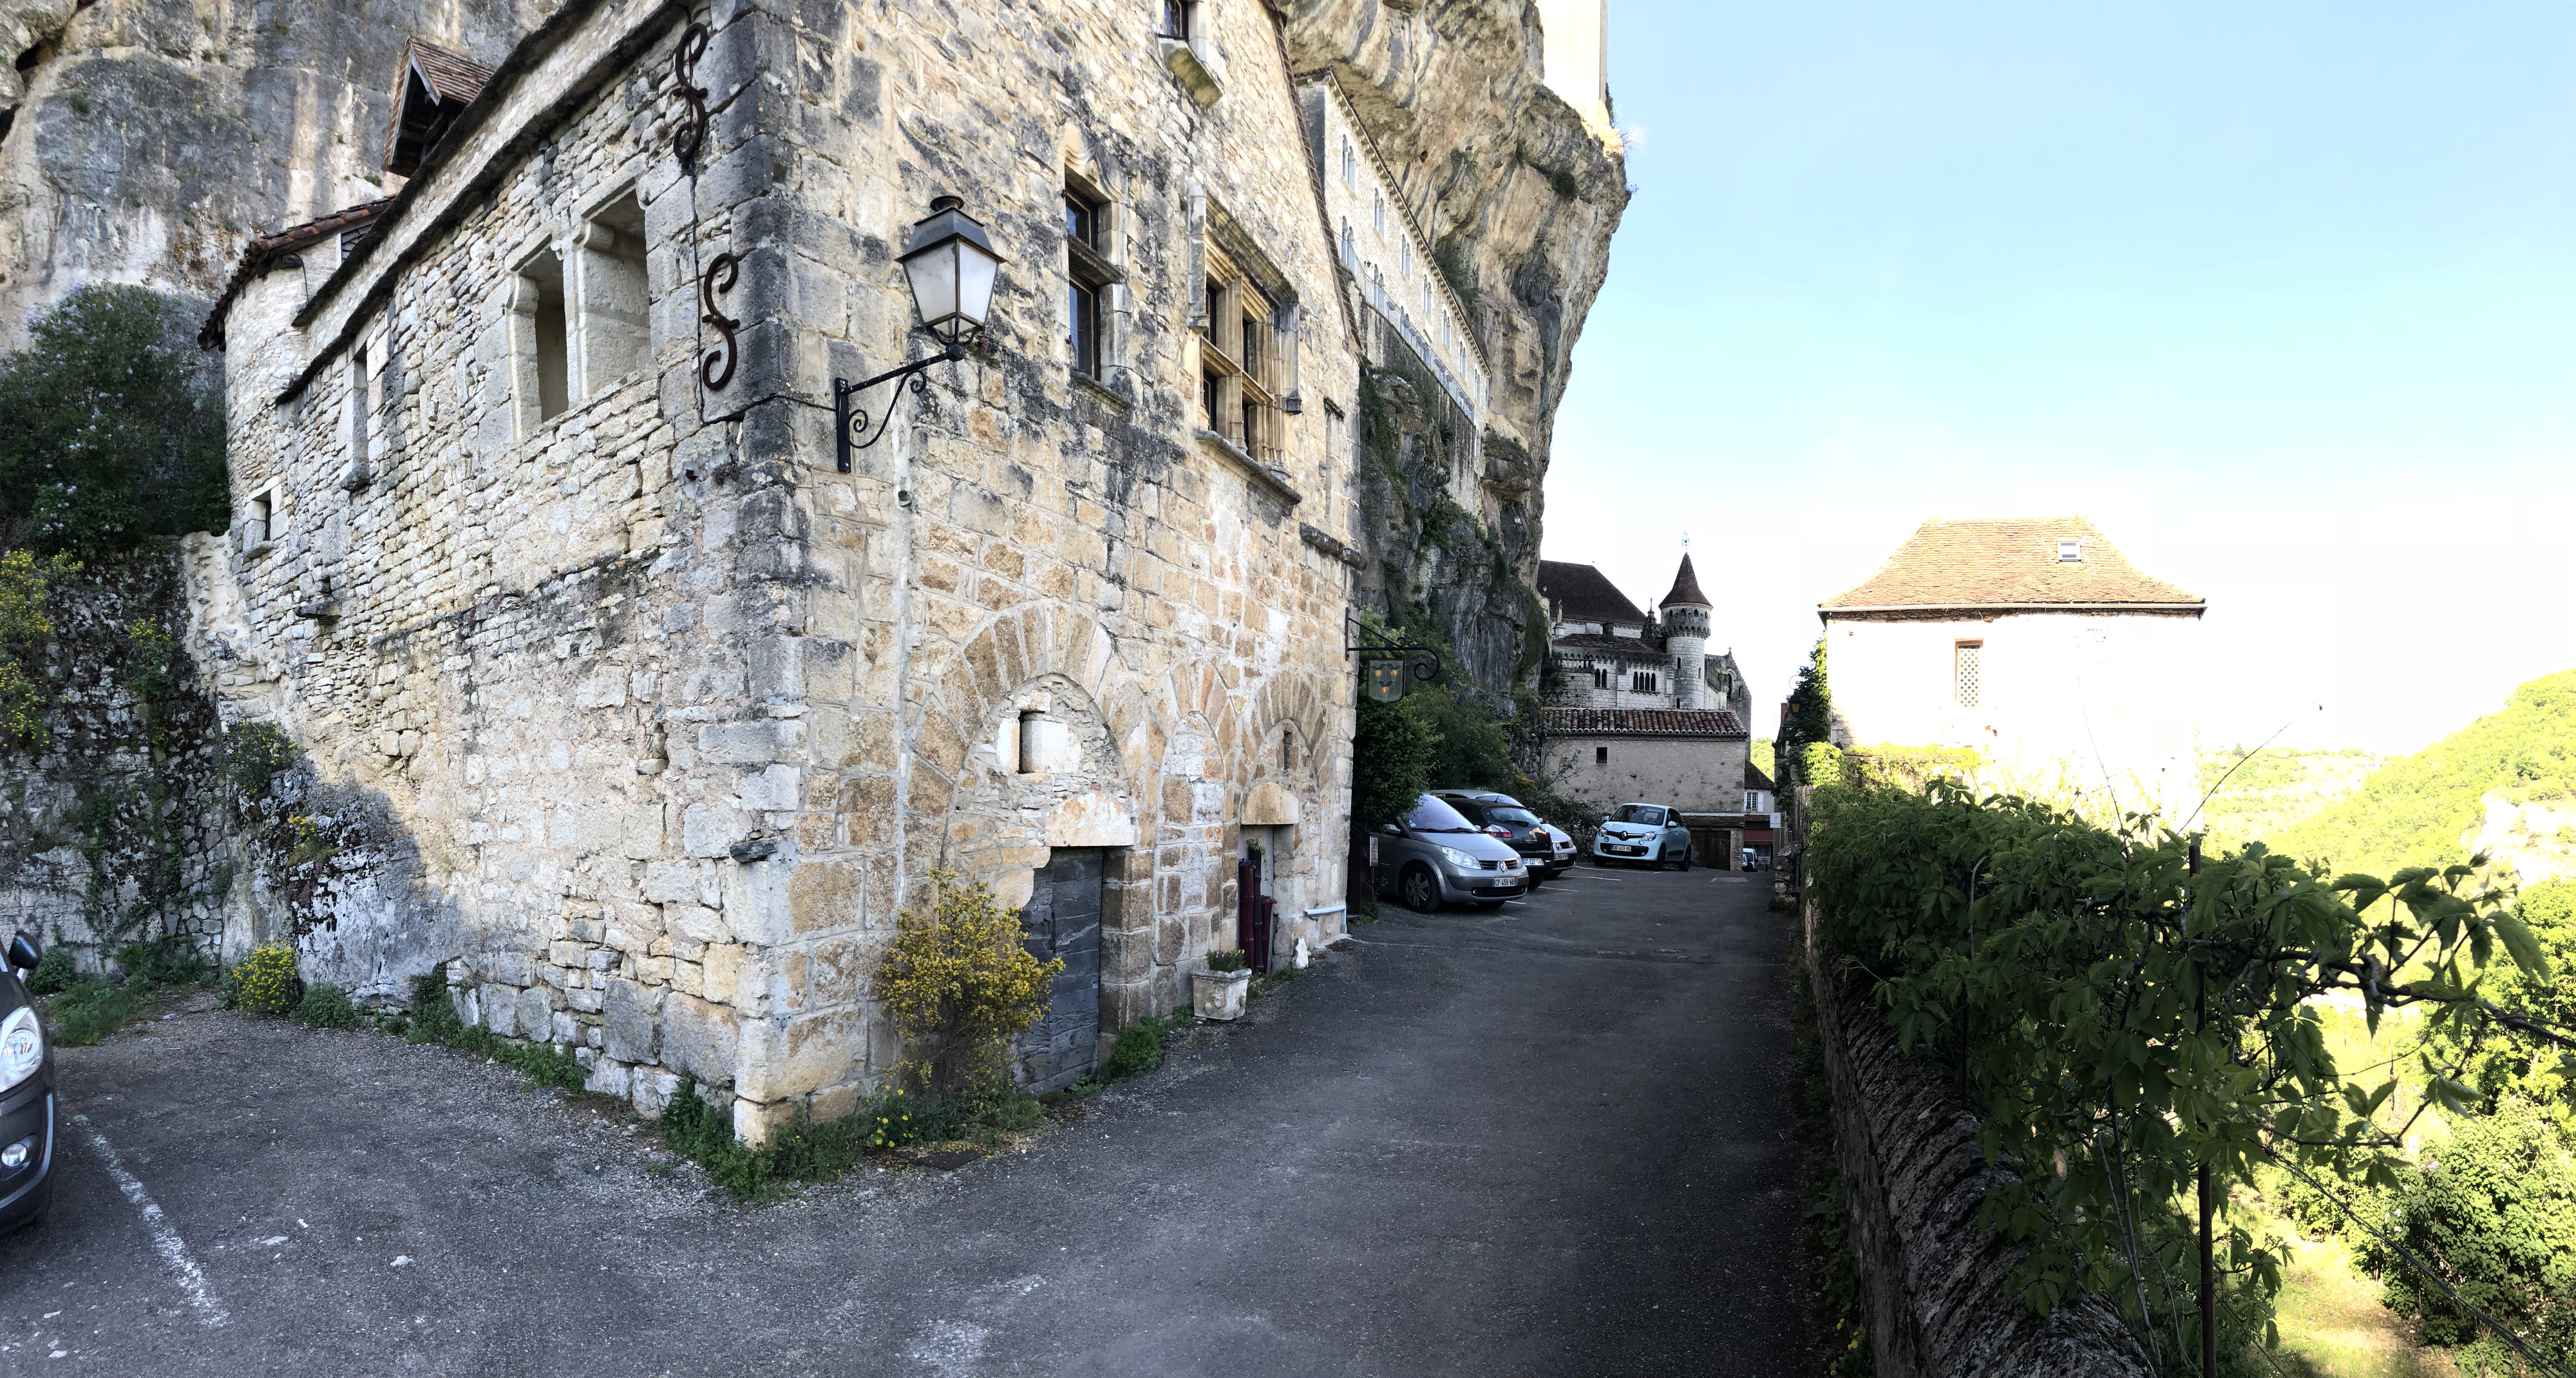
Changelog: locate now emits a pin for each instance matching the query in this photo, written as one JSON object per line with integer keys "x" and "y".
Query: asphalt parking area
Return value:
{"x": 1547, "y": 1139}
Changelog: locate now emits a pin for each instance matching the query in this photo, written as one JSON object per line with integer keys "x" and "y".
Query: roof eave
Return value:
{"x": 1830, "y": 610}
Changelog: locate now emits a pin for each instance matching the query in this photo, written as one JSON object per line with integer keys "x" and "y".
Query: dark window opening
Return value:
{"x": 1082, "y": 311}
{"x": 1600, "y": 755}
{"x": 1176, "y": 20}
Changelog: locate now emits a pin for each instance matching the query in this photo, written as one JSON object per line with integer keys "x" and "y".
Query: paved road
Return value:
{"x": 1545, "y": 1141}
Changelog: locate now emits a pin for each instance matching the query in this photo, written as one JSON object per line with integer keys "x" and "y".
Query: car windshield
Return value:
{"x": 1648, "y": 814}
{"x": 1431, "y": 815}
{"x": 1519, "y": 817}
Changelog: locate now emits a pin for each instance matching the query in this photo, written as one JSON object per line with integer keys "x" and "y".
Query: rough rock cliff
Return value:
{"x": 148, "y": 140}
{"x": 1520, "y": 197}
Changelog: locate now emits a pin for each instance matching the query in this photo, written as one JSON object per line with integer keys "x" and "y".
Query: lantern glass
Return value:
{"x": 951, "y": 267}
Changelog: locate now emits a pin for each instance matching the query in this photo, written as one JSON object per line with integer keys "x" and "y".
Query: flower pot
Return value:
{"x": 1218, "y": 995}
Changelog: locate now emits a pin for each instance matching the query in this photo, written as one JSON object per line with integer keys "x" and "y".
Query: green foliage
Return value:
{"x": 1469, "y": 749}
{"x": 1450, "y": 257}
{"x": 2415, "y": 810}
{"x": 254, "y": 754}
{"x": 1810, "y": 719}
{"x": 92, "y": 1008}
{"x": 2118, "y": 1020}
{"x": 150, "y": 648}
{"x": 1229, "y": 960}
{"x": 1139, "y": 1050}
{"x": 960, "y": 985}
{"x": 2493, "y": 1213}
{"x": 24, "y": 583}
{"x": 807, "y": 1150}
{"x": 1392, "y": 748}
{"x": 1762, "y": 760}
{"x": 1562, "y": 182}
{"x": 433, "y": 1014}
{"x": 169, "y": 960}
{"x": 265, "y": 981}
{"x": 2542, "y": 1076}
{"x": 326, "y": 1006}
{"x": 109, "y": 430}
{"x": 55, "y": 971}
{"x": 2264, "y": 793}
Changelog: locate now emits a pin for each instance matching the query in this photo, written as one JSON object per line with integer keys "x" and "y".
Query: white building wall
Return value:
{"x": 2068, "y": 703}
{"x": 1577, "y": 55}
{"x": 1695, "y": 775}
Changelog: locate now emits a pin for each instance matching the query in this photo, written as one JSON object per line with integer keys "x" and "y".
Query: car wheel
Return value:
{"x": 1685, "y": 858}
{"x": 1421, "y": 889}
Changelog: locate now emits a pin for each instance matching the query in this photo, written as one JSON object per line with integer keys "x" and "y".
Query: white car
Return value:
{"x": 1644, "y": 835}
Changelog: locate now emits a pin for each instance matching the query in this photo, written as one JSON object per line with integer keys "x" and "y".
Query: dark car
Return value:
{"x": 1504, "y": 817}
{"x": 26, "y": 1097}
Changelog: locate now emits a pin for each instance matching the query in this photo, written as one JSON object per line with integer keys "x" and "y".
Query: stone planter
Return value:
{"x": 1218, "y": 995}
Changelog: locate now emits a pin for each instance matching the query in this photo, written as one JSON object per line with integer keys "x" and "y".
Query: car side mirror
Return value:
{"x": 1390, "y": 830}
{"x": 22, "y": 953}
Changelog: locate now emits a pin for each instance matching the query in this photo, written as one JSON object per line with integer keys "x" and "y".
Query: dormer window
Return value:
{"x": 436, "y": 86}
{"x": 2069, "y": 551}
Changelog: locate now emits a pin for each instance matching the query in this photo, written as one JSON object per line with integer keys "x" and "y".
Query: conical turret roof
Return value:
{"x": 1685, "y": 589}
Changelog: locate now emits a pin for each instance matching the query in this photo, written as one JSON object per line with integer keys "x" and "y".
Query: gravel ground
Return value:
{"x": 1550, "y": 1140}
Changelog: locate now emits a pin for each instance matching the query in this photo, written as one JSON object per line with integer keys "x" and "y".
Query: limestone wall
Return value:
{"x": 650, "y": 720}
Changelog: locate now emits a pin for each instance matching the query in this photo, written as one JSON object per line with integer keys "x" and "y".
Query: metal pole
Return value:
{"x": 2208, "y": 1202}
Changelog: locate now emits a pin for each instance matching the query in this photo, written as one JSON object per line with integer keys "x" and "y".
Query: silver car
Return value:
{"x": 1435, "y": 857}
{"x": 1644, "y": 834}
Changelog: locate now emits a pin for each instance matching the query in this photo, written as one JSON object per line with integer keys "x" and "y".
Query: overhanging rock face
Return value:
{"x": 1933, "y": 1280}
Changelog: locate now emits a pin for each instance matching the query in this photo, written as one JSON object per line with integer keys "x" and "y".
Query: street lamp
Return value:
{"x": 949, "y": 264}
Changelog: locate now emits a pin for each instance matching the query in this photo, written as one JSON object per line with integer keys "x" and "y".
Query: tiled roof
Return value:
{"x": 267, "y": 249}
{"x": 1603, "y": 641}
{"x": 1755, "y": 779}
{"x": 1642, "y": 722}
{"x": 1685, "y": 588}
{"x": 450, "y": 80}
{"x": 455, "y": 77}
{"x": 2007, "y": 563}
{"x": 1584, "y": 594}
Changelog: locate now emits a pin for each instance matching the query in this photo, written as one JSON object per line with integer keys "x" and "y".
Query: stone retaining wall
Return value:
{"x": 1933, "y": 1282}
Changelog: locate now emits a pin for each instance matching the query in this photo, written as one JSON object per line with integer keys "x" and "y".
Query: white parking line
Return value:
{"x": 165, "y": 1240}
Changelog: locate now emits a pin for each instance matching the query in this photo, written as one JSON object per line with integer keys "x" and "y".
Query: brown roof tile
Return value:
{"x": 1582, "y": 593}
{"x": 2006, "y": 563}
{"x": 260, "y": 253}
{"x": 1603, "y": 641}
{"x": 1641, "y": 722}
{"x": 1685, "y": 588}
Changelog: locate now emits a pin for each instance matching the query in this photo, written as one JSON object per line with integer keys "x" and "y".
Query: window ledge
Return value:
{"x": 1275, "y": 480}
{"x": 1194, "y": 75}
{"x": 1084, "y": 382}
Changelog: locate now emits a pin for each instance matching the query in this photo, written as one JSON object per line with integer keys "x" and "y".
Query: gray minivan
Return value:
{"x": 1436, "y": 856}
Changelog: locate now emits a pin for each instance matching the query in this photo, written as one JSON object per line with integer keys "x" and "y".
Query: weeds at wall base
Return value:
{"x": 1836, "y": 1309}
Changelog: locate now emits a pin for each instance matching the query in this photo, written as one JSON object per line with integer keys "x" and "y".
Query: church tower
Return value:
{"x": 1685, "y": 611}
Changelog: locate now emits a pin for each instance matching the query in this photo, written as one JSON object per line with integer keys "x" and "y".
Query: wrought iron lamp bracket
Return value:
{"x": 1422, "y": 663}
{"x": 850, "y": 423}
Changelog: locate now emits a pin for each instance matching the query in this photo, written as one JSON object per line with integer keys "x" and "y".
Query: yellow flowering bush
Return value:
{"x": 265, "y": 982}
{"x": 960, "y": 987}
{"x": 24, "y": 581}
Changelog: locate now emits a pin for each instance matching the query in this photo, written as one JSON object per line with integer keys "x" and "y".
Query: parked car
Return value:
{"x": 26, "y": 1097}
{"x": 1644, "y": 834}
{"x": 1500, "y": 815}
{"x": 1435, "y": 857}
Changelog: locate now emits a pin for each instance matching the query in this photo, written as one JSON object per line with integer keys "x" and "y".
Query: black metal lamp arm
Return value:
{"x": 850, "y": 422}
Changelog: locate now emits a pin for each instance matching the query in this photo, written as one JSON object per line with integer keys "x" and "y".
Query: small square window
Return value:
{"x": 2069, "y": 551}
{"x": 255, "y": 522}
{"x": 1968, "y": 672}
{"x": 1600, "y": 755}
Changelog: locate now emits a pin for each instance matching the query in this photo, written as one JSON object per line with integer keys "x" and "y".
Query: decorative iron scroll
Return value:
{"x": 690, "y": 139}
{"x": 716, "y": 369}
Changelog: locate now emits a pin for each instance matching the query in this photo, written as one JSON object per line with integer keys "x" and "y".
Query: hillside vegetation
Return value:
{"x": 2415, "y": 810}
{"x": 2262, "y": 793}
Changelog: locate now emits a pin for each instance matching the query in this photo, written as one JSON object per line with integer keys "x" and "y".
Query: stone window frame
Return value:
{"x": 1350, "y": 164}
{"x": 361, "y": 435}
{"x": 259, "y": 520}
{"x": 1098, "y": 267}
{"x": 583, "y": 260}
{"x": 1643, "y": 682}
{"x": 1242, "y": 385}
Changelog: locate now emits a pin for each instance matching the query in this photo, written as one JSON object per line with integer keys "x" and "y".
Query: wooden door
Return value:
{"x": 1063, "y": 921}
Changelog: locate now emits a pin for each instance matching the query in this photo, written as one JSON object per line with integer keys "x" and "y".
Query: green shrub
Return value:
{"x": 169, "y": 960}
{"x": 110, "y": 428}
{"x": 265, "y": 981}
{"x": 1229, "y": 960}
{"x": 253, "y": 755}
{"x": 1139, "y": 1050}
{"x": 433, "y": 1015}
{"x": 960, "y": 985}
{"x": 326, "y": 1006}
{"x": 56, "y": 970}
{"x": 802, "y": 1150}
{"x": 2493, "y": 1213}
{"x": 92, "y": 1008}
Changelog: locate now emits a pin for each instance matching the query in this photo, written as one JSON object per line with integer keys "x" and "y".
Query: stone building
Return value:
{"x": 1639, "y": 711}
{"x": 623, "y": 700}
{"x": 2035, "y": 641}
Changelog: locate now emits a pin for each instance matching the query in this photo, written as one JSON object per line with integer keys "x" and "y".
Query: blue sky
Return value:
{"x": 2281, "y": 295}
